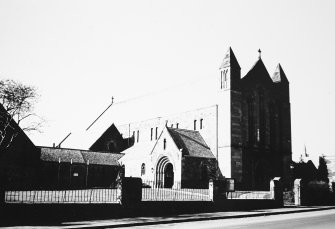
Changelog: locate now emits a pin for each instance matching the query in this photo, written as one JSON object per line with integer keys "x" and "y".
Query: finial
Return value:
{"x": 260, "y": 52}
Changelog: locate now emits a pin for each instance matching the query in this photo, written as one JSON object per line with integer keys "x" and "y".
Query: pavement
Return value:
{"x": 143, "y": 221}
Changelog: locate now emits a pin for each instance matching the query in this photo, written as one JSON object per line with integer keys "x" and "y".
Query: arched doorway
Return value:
{"x": 164, "y": 173}
{"x": 168, "y": 176}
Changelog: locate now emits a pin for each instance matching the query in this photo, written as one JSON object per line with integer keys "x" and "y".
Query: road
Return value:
{"x": 307, "y": 220}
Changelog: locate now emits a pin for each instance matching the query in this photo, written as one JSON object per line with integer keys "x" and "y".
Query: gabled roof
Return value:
{"x": 14, "y": 128}
{"x": 64, "y": 155}
{"x": 229, "y": 60}
{"x": 258, "y": 70}
{"x": 111, "y": 136}
{"x": 79, "y": 156}
{"x": 111, "y": 133}
{"x": 279, "y": 75}
{"x": 191, "y": 143}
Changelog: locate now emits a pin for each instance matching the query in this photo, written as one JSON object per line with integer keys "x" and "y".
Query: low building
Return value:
{"x": 73, "y": 168}
{"x": 19, "y": 158}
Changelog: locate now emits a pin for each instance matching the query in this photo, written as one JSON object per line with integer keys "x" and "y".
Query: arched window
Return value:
{"x": 112, "y": 146}
{"x": 164, "y": 143}
{"x": 195, "y": 124}
{"x": 156, "y": 134}
{"x": 251, "y": 123}
{"x": 142, "y": 169}
{"x": 262, "y": 117}
{"x": 201, "y": 123}
{"x": 272, "y": 124}
{"x": 224, "y": 79}
{"x": 204, "y": 171}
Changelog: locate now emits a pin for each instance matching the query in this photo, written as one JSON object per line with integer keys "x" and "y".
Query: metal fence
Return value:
{"x": 154, "y": 193}
{"x": 82, "y": 196}
{"x": 263, "y": 195}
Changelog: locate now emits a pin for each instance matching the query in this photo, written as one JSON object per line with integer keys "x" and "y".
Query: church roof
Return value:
{"x": 279, "y": 75}
{"x": 229, "y": 60}
{"x": 258, "y": 70}
{"x": 51, "y": 154}
{"x": 191, "y": 143}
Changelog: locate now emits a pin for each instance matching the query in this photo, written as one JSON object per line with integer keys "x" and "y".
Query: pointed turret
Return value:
{"x": 229, "y": 60}
{"x": 279, "y": 75}
{"x": 230, "y": 71}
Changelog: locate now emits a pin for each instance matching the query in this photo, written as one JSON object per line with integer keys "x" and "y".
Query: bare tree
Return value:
{"x": 16, "y": 108}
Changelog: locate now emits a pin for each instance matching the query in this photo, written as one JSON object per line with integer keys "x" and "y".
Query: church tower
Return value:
{"x": 230, "y": 71}
{"x": 229, "y": 118}
{"x": 282, "y": 90}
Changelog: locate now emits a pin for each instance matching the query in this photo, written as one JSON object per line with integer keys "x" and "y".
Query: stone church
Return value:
{"x": 244, "y": 134}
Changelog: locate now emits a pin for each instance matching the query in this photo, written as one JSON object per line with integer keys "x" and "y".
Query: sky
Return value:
{"x": 157, "y": 58}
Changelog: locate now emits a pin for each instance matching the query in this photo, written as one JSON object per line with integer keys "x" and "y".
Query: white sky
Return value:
{"x": 81, "y": 53}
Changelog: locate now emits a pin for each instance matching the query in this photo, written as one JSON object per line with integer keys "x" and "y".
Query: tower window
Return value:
{"x": 225, "y": 78}
{"x": 251, "y": 122}
{"x": 201, "y": 124}
{"x": 138, "y": 136}
{"x": 177, "y": 125}
{"x": 258, "y": 135}
{"x": 142, "y": 169}
{"x": 164, "y": 143}
{"x": 221, "y": 79}
{"x": 262, "y": 117}
{"x": 151, "y": 133}
{"x": 195, "y": 125}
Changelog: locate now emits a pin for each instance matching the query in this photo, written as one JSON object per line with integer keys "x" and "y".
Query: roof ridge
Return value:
{"x": 176, "y": 129}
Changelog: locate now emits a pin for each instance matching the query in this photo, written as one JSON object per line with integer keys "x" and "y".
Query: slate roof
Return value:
{"x": 51, "y": 154}
{"x": 102, "y": 158}
{"x": 191, "y": 143}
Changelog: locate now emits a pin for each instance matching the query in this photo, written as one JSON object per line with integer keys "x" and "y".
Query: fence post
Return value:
{"x": 2, "y": 196}
{"x": 277, "y": 191}
{"x": 219, "y": 190}
{"x": 297, "y": 192}
{"x": 131, "y": 191}
{"x": 211, "y": 190}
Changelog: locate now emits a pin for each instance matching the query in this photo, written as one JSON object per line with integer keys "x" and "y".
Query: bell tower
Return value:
{"x": 230, "y": 71}
{"x": 229, "y": 118}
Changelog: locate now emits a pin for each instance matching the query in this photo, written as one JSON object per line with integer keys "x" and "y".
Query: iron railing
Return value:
{"x": 62, "y": 196}
{"x": 155, "y": 192}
